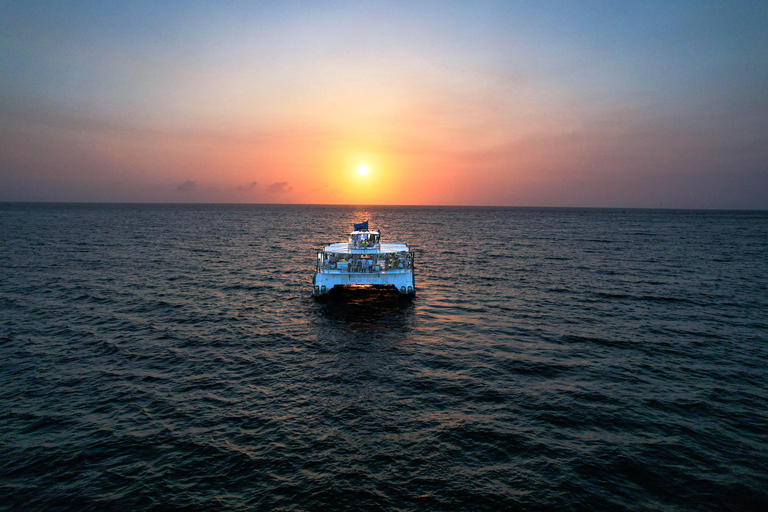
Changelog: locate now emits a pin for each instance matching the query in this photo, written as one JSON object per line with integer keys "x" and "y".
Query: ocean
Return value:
{"x": 164, "y": 357}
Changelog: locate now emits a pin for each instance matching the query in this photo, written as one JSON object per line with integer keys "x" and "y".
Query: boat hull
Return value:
{"x": 325, "y": 282}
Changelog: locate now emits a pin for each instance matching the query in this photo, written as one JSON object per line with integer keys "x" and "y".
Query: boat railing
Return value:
{"x": 396, "y": 264}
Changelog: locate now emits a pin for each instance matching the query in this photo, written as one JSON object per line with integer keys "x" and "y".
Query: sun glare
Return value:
{"x": 363, "y": 170}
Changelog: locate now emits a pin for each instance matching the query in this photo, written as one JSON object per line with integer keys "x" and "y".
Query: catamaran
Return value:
{"x": 364, "y": 261}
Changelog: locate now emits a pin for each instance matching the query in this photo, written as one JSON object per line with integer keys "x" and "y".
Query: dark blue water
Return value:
{"x": 171, "y": 356}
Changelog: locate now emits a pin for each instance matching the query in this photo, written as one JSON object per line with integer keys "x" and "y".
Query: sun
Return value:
{"x": 363, "y": 170}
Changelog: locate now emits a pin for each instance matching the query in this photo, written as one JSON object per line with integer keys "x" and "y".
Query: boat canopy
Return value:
{"x": 383, "y": 248}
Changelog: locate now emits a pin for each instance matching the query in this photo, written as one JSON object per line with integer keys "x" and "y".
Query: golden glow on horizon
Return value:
{"x": 363, "y": 170}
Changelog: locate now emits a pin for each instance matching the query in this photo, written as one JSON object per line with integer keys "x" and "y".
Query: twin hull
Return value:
{"x": 402, "y": 282}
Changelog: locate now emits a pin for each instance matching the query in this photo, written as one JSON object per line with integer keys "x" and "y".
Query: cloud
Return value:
{"x": 187, "y": 186}
{"x": 246, "y": 188}
{"x": 281, "y": 187}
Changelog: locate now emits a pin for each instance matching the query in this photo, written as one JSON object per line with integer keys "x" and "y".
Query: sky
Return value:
{"x": 644, "y": 104}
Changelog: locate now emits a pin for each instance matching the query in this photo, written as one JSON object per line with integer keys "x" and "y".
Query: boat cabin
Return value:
{"x": 364, "y": 239}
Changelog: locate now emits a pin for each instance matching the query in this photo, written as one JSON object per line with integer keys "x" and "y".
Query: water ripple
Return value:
{"x": 171, "y": 356}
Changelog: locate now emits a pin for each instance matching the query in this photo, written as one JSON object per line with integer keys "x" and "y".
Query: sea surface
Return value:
{"x": 162, "y": 357}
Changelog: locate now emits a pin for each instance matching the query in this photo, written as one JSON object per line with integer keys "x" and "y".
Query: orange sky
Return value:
{"x": 562, "y": 105}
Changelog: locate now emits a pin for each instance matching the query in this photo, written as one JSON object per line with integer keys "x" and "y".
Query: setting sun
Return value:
{"x": 363, "y": 170}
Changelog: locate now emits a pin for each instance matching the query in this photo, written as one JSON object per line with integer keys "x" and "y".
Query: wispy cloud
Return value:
{"x": 187, "y": 186}
{"x": 280, "y": 187}
{"x": 246, "y": 188}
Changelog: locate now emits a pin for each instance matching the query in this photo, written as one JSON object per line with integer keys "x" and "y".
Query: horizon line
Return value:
{"x": 206, "y": 203}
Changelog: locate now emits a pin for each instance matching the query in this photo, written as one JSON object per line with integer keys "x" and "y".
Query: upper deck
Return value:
{"x": 365, "y": 242}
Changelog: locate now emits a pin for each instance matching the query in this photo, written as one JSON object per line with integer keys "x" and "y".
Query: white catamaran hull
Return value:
{"x": 324, "y": 282}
